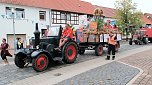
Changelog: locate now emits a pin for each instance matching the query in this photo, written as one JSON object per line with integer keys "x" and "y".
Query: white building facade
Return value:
{"x": 25, "y": 18}
{"x": 24, "y": 21}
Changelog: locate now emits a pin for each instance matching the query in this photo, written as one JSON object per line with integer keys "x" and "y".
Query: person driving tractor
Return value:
{"x": 67, "y": 34}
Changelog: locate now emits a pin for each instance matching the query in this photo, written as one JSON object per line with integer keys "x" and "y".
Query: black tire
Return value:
{"x": 19, "y": 61}
{"x": 130, "y": 42}
{"x": 117, "y": 46}
{"x": 136, "y": 42}
{"x": 81, "y": 52}
{"x": 40, "y": 63}
{"x": 140, "y": 42}
{"x": 145, "y": 41}
{"x": 70, "y": 52}
{"x": 99, "y": 50}
{"x": 150, "y": 40}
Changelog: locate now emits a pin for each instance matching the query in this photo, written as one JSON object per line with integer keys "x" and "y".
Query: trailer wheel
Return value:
{"x": 81, "y": 52}
{"x": 136, "y": 42}
{"x": 99, "y": 50}
{"x": 116, "y": 48}
{"x": 130, "y": 42}
{"x": 19, "y": 61}
{"x": 40, "y": 63}
{"x": 70, "y": 52}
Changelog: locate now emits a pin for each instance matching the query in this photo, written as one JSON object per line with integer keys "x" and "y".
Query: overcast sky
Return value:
{"x": 143, "y": 5}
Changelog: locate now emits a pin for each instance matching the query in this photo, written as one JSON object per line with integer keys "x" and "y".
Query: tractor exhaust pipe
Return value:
{"x": 37, "y": 36}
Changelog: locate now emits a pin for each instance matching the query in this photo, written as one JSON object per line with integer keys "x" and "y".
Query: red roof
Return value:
{"x": 148, "y": 14}
{"x": 108, "y": 12}
{"x": 65, "y": 5}
{"x": 146, "y": 20}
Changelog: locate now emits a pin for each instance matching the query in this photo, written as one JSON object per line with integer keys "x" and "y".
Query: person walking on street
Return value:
{"x": 4, "y": 51}
{"x": 112, "y": 41}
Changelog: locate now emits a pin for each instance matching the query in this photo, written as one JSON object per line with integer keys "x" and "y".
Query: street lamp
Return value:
{"x": 13, "y": 12}
{"x": 126, "y": 24}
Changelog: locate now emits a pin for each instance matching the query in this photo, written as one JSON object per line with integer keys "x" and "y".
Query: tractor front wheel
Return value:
{"x": 40, "y": 63}
{"x": 19, "y": 61}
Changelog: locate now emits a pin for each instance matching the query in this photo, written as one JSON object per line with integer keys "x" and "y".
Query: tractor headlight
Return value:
{"x": 37, "y": 47}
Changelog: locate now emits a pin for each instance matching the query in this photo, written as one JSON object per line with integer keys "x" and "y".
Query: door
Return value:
{"x": 10, "y": 39}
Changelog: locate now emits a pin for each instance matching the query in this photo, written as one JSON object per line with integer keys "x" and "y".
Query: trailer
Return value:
{"x": 94, "y": 42}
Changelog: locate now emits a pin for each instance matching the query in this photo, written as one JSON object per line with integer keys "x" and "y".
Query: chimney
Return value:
{"x": 37, "y": 36}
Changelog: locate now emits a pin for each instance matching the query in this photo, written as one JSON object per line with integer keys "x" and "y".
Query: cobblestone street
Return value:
{"x": 110, "y": 74}
{"x": 11, "y": 73}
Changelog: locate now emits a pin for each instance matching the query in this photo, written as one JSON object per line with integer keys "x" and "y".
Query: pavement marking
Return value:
{"x": 133, "y": 80}
{"x": 69, "y": 71}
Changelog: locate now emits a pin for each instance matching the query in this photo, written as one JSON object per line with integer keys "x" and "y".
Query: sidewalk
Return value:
{"x": 65, "y": 73}
{"x": 141, "y": 60}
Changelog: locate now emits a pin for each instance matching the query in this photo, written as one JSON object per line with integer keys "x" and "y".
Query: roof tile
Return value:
{"x": 66, "y": 5}
{"x": 108, "y": 12}
{"x": 146, "y": 20}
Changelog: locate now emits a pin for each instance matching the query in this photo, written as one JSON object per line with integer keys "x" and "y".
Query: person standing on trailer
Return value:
{"x": 112, "y": 41}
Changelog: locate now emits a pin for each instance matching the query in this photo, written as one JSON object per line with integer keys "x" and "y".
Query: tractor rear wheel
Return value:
{"x": 145, "y": 41}
{"x": 99, "y": 50}
{"x": 70, "y": 52}
{"x": 19, "y": 61}
{"x": 40, "y": 63}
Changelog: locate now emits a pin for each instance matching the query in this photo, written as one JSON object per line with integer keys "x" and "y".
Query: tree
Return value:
{"x": 127, "y": 15}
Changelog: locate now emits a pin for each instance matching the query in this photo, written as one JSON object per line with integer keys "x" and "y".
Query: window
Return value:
{"x": 64, "y": 17}
{"x": 19, "y": 13}
{"x": 68, "y": 17}
{"x": 74, "y": 19}
{"x": 9, "y": 12}
{"x": 42, "y": 15}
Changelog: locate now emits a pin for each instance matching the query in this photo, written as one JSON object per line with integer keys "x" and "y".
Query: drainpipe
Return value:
{"x": 50, "y": 18}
